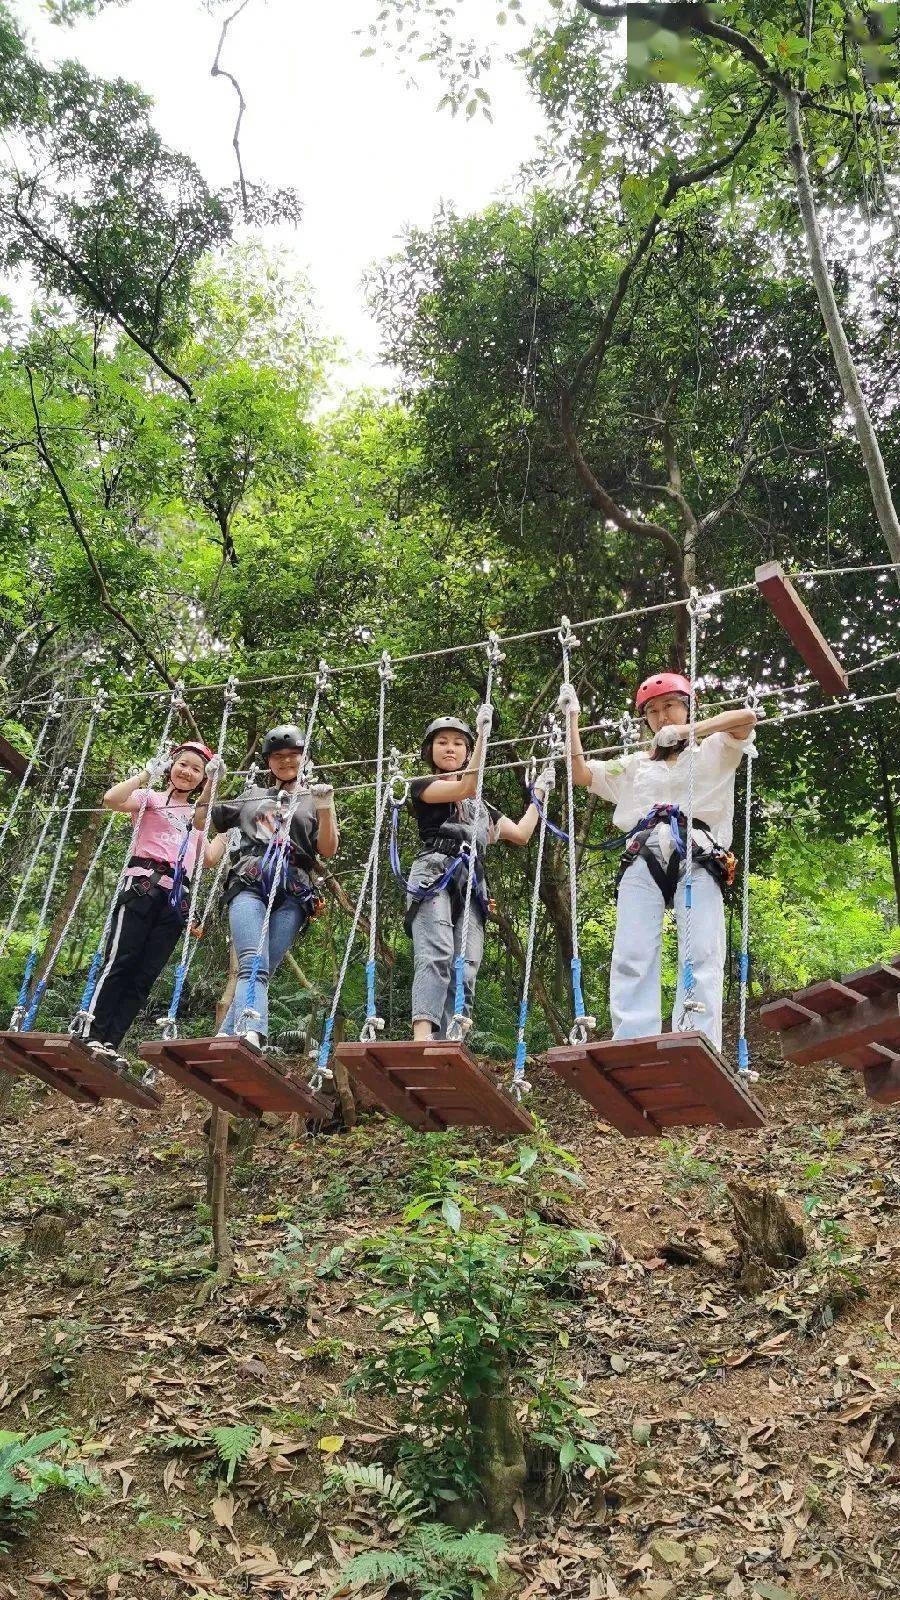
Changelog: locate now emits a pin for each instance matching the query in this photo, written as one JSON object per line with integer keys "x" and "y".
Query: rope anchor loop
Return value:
{"x": 168, "y": 1027}
{"x": 386, "y": 671}
{"x": 581, "y": 1030}
{"x": 566, "y": 635}
{"x": 370, "y": 1030}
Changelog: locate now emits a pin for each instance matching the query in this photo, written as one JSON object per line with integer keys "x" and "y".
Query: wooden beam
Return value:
{"x": 13, "y": 759}
{"x": 777, "y": 589}
{"x": 872, "y": 1021}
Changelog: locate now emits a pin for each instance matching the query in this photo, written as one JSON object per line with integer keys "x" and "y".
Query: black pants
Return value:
{"x": 144, "y": 932}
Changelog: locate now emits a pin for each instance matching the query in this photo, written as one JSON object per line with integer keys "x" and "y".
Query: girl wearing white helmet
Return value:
{"x": 443, "y": 803}
{"x": 252, "y": 822}
{"x": 649, "y": 789}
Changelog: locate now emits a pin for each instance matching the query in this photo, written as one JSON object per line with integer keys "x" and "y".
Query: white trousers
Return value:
{"x": 634, "y": 987}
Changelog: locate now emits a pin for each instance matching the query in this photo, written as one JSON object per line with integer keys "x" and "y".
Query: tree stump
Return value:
{"x": 47, "y": 1235}
{"x": 499, "y": 1455}
{"x": 768, "y": 1230}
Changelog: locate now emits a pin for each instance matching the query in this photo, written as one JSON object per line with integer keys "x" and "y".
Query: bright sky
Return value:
{"x": 367, "y": 155}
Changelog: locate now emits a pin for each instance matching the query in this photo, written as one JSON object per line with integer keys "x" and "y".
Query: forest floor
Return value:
{"x": 757, "y": 1436}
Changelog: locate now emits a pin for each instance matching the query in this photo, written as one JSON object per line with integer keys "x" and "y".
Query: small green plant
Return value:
{"x": 62, "y": 1342}
{"x": 336, "y": 1196}
{"x": 432, "y": 1562}
{"x": 357, "y": 1478}
{"x": 689, "y": 1170}
{"x": 26, "y": 1473}
{"x": 234, "y": 1445}
{"x": 564, "y": 1428}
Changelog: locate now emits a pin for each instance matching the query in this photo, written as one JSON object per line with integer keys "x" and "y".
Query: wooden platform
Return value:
{"x": 854, "y": 1020}
{"x": 234, "y": 1076}
{"x": 800, "y": 628}
{"x": 433, "y": 1086}
{"x": 62, "y": 1061}
{"x": 646, "y": 1086}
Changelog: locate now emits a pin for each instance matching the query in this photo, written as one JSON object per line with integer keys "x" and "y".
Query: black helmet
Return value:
{"x": 446, "y": 725}
{"x": 287, "y": 736}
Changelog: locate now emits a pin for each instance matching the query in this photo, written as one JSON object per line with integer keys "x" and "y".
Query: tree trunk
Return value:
{"x": 890, "y": 810}
{"x": 885, "y": 509}
{"x": 217, "y": 1162}
{"x": 499, "y": 1455}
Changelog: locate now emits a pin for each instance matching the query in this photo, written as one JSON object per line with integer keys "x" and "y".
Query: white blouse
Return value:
{"x": 634, "y": 785}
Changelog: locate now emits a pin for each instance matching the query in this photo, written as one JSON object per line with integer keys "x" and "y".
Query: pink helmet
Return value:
{"x": 662, "y": 683}
{"x": 195, "y": 745}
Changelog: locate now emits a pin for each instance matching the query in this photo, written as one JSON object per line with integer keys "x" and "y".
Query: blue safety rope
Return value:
{"x": 660, "y": 813}
{"x": 419, "y": 892}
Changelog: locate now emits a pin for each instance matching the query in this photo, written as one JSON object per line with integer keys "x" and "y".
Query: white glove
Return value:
{"x": 544, "y": 782}
{"x": 323, "y": 795}
{"x": 484, "y": 719}
{"x": 216, "y": 768}
{"x": 667, "y": 738}
{"x": 156, "y": 768}
{"x": 568, "y": 700}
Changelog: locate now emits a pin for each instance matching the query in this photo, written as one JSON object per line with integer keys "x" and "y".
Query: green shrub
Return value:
{"x": 26, "y": 1473}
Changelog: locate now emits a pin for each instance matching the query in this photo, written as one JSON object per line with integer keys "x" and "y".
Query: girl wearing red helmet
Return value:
{"x": 149, "y": 914}
{"x": 649, "y": 789}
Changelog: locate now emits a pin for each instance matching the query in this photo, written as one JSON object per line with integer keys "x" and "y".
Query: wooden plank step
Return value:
{"x": 883, "y": 1082}
{"x": 827, "y": 997}
{"x": 62, "y": 1061}
{"x": 711, "y": 1091}
{"x": 870, "y": 1022}
{"x": 412, "y": 1080}
{"x": 868, "y": 1055}
{"x": 781, "y": 1015}
{"x": 233, "y": 1075}
{"x": 883, "y": 978}
{"x": 810, "y": 642}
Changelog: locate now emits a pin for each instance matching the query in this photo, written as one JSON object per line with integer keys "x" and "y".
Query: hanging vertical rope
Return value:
{"x": 81, "y": 1022}
{"x": 53, "y": 811}
{"x": 582, "y": 1024}
{"x": 280, "y": 842}
{"x": 689, "y": 1004}
{"x": 461, "y": 1023}
{"x": 22, "y": 1002}
{"x": 374, "y": 1024}
{"x": 520, "y": 1084}
{"x": 40, "y": 988}
{"x": 52, "y": 711}
{"x": 629, "y": 731}
{"x": 170, "y": 1021}
{"x": 752, "y": 702}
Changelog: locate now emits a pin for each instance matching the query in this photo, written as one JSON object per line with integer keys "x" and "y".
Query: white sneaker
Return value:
{"x": 252, "y": 1037}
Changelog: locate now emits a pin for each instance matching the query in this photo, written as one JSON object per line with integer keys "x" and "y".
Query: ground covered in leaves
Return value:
{"x": 757, "y": 1432}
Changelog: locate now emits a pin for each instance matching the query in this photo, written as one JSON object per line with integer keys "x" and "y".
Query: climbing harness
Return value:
{"x": 275, "y": 861}
{"x": 520, "y": 1085}
{"x": 81, "y": 1022}
{"x": 394, "y": 793}
{"x": 743, "y": 1050}
{"x": 374, "y": 1024}
{"x": 461, "y": 1023}
{"x": 169, "y": 1023}
{"x": 52, "y": 712}
{"x": 720, "y": 863}
{"x": 583, "y": 1025}
{"x": 23, "y": 1000}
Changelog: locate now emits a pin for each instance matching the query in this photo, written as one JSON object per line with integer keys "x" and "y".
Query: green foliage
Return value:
{"x": 358, "y": 1478}
{"x": 234, "y": 1444}
{"x": 27, "y": 1472}
{"x": 433, "y": 1562}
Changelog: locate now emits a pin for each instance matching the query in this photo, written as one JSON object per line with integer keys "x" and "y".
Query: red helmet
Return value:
{"x": 195, "y": 745}
{"x": 662, "y": 683}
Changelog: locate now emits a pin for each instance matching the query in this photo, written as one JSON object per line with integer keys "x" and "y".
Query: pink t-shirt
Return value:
{"x": 163, "y": 827}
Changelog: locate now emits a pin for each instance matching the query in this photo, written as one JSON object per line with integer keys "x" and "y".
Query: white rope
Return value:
{"x": 583, "y": 1024}
{"x": 41, "y": 985}
{"x": 520, "y": 1084}
{"x": 461, "y": 1022}
{"x": 374, "y": 1024}
{"x": 743, "y": 1047}
{"x": 53, "y": 811}
{"x": 689, "y": 1004}
{"x": 52, "y": 711}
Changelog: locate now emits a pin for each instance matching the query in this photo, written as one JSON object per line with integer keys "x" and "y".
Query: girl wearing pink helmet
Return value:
{"x": 649, "y": 789}
{"x": 149, "y": 915}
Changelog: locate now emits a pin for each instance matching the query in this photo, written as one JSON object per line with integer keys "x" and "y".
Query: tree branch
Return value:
{"x": 216, "y": 71}
{"x": 689, "y": 18}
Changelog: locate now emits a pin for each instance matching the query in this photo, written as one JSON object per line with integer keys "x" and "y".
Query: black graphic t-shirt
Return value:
{"x": 253, "y": 819}
{"x": 452, "y": 818}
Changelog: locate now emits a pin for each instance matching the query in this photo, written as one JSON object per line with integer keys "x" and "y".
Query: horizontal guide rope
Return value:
{"x": 853, "y": 704}
{"x": 373, "y": 664}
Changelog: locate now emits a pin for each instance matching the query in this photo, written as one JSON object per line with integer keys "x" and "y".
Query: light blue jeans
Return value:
{"x": 436, "y": 944}
{"x": 245, "y": 915}
{"x": 634, "y": 987}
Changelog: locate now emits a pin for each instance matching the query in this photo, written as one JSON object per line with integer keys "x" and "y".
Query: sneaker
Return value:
{"x": 253, "y": 1038}
{"x": 148, "y": 1078}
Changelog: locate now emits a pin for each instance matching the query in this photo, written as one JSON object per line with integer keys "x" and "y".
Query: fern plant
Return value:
{"x": 234, "y": 1445}
{"x": 26, "y": 1474}
{"x": 355, "y": 1477}
{"x": 433, "y": 1561}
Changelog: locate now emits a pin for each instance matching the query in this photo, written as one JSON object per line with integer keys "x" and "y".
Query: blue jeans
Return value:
{"x": 245, "y": 914}
{"x": 436, "y": 944}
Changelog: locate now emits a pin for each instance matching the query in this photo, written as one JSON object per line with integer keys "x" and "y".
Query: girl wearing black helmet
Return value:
{"x": 252, "y": 820}
{"x": 444, "y": 807}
